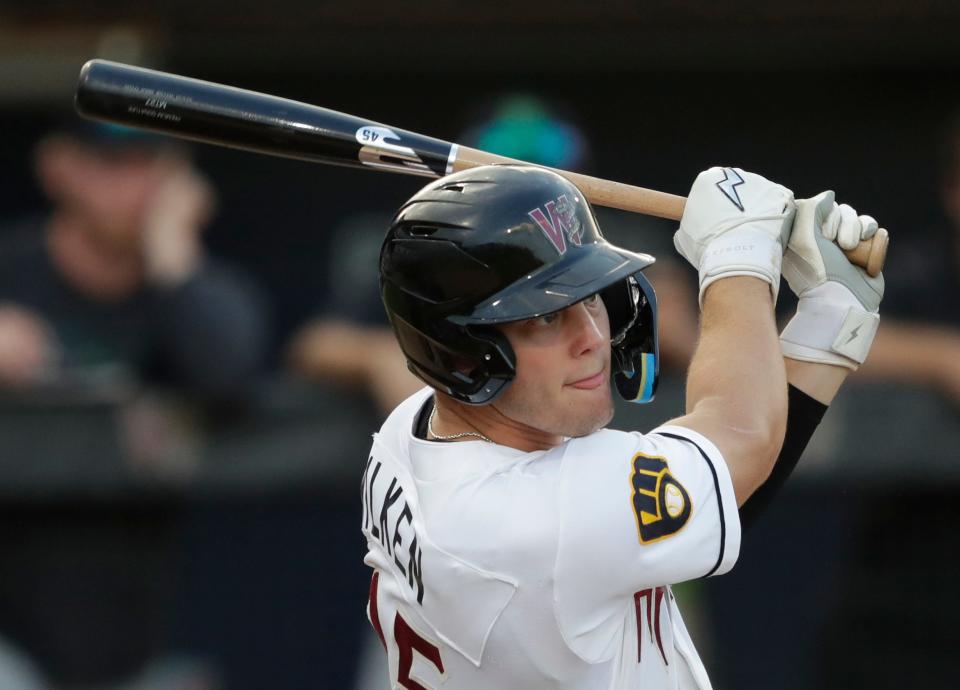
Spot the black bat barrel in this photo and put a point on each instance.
(217, 114)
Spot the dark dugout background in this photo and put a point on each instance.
(846, 584)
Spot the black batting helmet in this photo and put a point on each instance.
(505, 243)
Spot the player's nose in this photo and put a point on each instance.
(586, 329)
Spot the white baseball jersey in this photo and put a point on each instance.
(497, 568)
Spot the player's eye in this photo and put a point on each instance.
(545, 320)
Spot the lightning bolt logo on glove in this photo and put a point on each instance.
(853, 334)
(728, 185)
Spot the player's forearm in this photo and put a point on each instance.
(736, 386)
(805, 413)
(812, 387)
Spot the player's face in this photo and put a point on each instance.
(562, 385)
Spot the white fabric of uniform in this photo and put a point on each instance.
(530, 562)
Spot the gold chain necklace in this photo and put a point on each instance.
(451, 437)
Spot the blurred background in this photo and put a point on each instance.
(193, 355)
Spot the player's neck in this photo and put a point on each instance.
(453, 418)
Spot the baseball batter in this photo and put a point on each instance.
(515, 542)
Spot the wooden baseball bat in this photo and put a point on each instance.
(228, 116)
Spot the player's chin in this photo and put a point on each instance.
(593, 414)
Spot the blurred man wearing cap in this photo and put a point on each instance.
(115, 279)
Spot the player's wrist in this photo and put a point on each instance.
(747, 251)
(831, 326)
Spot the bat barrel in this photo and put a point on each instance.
(216, 114)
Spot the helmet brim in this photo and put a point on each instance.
(559, 285)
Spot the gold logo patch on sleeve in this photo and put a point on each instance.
(660, 503)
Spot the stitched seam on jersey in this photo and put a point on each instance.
(716, 486)
(628, 606)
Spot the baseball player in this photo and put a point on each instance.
(515, 542)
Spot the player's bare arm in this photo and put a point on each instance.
(736, 385)
(734, 230)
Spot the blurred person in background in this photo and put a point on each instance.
(112, 290)
(114, 281)
(352, 343)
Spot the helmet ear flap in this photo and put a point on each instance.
(621, 309)
(497, 366)
(472, 365)
(632, 307)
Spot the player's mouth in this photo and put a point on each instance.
(591, 382)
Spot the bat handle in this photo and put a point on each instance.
(870, 254)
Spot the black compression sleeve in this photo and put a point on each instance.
(803, 415)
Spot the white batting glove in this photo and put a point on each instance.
(735, 224)
(838, 312)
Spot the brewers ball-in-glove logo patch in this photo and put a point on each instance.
(661, 504)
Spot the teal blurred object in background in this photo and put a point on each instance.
(524, 127)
